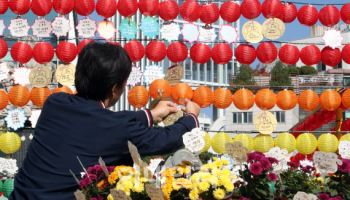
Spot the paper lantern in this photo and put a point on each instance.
(38, 96)
(63, 89)
(138, 96)
(266, 52)
(330, 100)
(43, 52)
(345, 137)
(168, 10)
(190, 10)
(306, 143)
(106, 8)
(135, 50)
(243, 99)
(149, 7)
(160, 87)
(245, 54)
(177, 52)
(345, 54)
(66, 51)
(8, 187)
(250, 9)
(63, 7)
(180, 92)
(331, 57)
(286, 141)
(230, 11)
(219, 141)
(289, 54)
(307, 15)
(41, 7)
(308, 100)
(222, 98)
(329, 15)
(200, 53)
(221, 53)
(19, 95)
(346, 98)
(3, 48)
(207, 142)
(4, 99)
(286, 99)
(272, 8)
(310, 55)
(289, 12)
(21, 52)
(263, 143)
(210, 13)
(127, 8)
(246, 140)
(328, 143)
(9, 142)
(83, 43)
(19, 7)
(4, 4)
(156, 50)
(265, 99)
(345, 13)
(84, 7)
(106, 29)
(203, 96)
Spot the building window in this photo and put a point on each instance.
(243, 117)
(280, 116)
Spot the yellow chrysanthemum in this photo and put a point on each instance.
(182, 183)
(138, 187)
(219, 193)
(112, 178)
(203, 186)
(193, 195)
(109, 197)
(229, 187)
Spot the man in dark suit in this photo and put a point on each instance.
(80, 125)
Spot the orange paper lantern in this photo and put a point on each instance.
(4, 99)
(181, 91)
(160, 87)
(286, 99)
(19, 95)
(138, 96)
(222, 98)
(243, 99)
(203, 96)
(38, 96)
(64, 89)
(265, 99)
(330, 100)
(346, 98)
(308, 100)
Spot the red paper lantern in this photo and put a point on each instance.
(200, 53)
(149, 7)
(3, 48)
(345, 13)
(266, 52)
(63, 7)
(127, 8)
(84, 7)
(21, 52)
(177, 52)
(265, 99)
(38, 96)
(203, 96)
(329, 15)
(210, 13)
(230, 11)
(289, 54)
(168, 10)
(43, 52)
(330, 100)
(180, 92)
(221, 53)
(245, 54)
(66, 51)
(272, 8)
(331, 57)
(160, 87)
(250, 9)
(345, 54)
(156, 50)
(4, 99)
(41, 7)
(289, 13)
(308, 15)
(19, 95)
(310, 55)
(106, 8)
(190, 10)
(4, 4)
(20, 7)
(135, 50)
(83, 43)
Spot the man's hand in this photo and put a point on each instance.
(163, 109)
(192, 107)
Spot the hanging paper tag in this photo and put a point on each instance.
(65, 74)
(60, 26)
(344, 149)
(207, 35)
(154, 192)
(41, 28)
(135, 76)
(86, 28)
(19, 27)
(170, 31)
(127, 29)
(34, 117)
(106, 29)
(153, 72)
(136, 158)
(252, 32)
(40, 76)
(2, 27)
(79, 195)
(273, 28)
(21, 75)
(237, 151)
(304, 196)
(4, 71)
(150, 27)
(190, 32)
(265, 122)
(172, 118)
(119, 195)
(332, 38)
(15, 119)
(174, 74)
(228, 33)
(326, 162)
(194, 140)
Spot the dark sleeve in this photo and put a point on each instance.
(145, 117)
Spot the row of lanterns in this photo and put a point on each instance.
(243, 99)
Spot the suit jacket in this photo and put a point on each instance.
(71, 126)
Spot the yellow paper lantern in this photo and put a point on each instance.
(207, 141)
(285, 141)
(218, 142)
(306, 143)
(328, 143)
(345, 137)
(9, 142)
(246, 140)
(263, 143)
